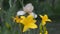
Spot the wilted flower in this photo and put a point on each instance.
(28, 8)
(17, 19)
(20, 13)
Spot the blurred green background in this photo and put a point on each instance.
(8, 9)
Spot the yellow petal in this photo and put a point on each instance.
(45, 16)
(40, 33)
(30, 17)
(16, 18)
(41, 16)
(34, 21)
(17, 21)
(43, 23)
(49, 20)
(46, 32)
(33, 26)
(25, 28)
(23, 17)
(22, 21)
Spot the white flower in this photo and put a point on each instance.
(35, 15)
(20, 13)
(28, 8)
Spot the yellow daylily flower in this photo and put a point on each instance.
(40, 33)
(46, 32)
(28, 22)
(44, 19)
(17, 19)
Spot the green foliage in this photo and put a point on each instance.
(10, 7)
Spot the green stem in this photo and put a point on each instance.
(41, 29)
(44, 29)
(29, 32)
(20, 29)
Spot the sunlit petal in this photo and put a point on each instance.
(23, 17)
(41, 16)
(25, 28)
(44, 19)
(49, 20)
(45, 16)
(33, 26)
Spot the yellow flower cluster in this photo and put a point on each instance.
(29, 21)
